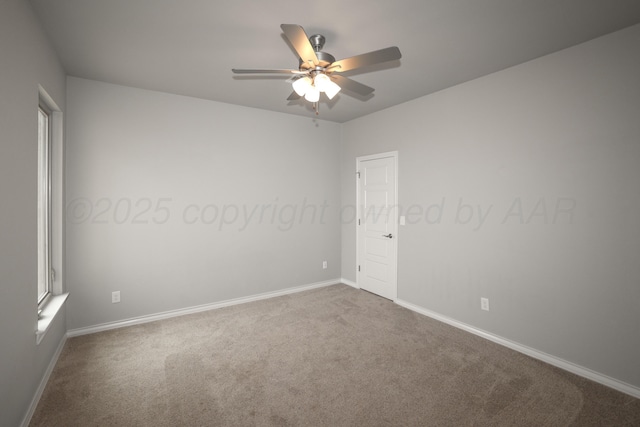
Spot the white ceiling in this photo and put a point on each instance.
(188, 47)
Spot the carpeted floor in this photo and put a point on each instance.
(333, 356)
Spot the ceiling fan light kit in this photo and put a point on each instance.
(311, 87)
(316, 68)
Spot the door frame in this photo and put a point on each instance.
(395, 218)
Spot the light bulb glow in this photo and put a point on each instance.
(321, 81)
(313, 94)
(302, 85)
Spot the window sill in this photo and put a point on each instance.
(49, 311)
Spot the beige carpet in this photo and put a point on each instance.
(333, 356)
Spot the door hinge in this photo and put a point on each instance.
(358, 173)
(358, 221)
(358, 268)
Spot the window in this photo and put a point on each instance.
(45, 269)
(50, 232)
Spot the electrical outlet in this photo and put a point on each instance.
(324, 264)
(484, 304)
(115, 297)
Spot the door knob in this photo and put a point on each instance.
(390, 236)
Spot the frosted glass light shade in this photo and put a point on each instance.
(301, 86)
(331, 89)
(313, 94)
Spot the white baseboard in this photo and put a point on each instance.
(195, 309)
(43, 383)
(349, 282)
(536, 354)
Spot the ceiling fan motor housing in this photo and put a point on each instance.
(324, 59)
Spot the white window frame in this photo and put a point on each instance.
(45, 267)
(51, 302)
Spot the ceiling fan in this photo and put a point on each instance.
(318, 71)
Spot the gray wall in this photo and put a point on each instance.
(547, 153)
(177, 202)
(26, 60)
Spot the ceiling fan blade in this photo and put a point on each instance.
(300, 42)
(375, 57)
(259, 71)
(352, 85)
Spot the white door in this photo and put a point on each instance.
(377, 224)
